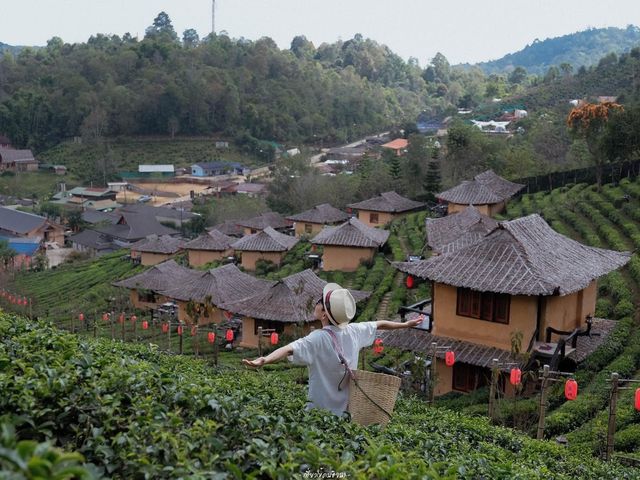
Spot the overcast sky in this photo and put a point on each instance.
(463, 30)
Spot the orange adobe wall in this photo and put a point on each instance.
(249, 259)
(345, 259)
(383, 217)
(197, 258)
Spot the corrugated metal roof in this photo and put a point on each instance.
(18, 222)
(156, 169)
(18, 156)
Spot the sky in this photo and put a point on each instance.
(463, 30)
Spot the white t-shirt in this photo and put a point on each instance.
(316, 350)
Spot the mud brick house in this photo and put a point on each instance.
(488, 192)
(267, 219)
(310, 222)
(209, 247)
(523, 280)
(267, 244)
(156, 249)
(346, 246)
(380, 210)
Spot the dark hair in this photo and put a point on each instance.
(320, 302)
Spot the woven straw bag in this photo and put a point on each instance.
(372, 397)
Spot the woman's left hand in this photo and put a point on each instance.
(258, 362)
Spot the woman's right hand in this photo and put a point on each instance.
(258, 362)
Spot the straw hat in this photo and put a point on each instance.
(339, 304)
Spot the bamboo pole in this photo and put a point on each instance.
(493, 388)
(259, 341)
(432, 379)
(543, 402)
(611, 429)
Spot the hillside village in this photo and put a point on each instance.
(143, 259)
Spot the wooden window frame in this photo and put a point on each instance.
(308, 228)
(268, 324)
(374, 218)
(487, 306)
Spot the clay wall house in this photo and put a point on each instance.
(209, 247)
(17, 160)
(147, 289)
(156, 249)
(384, 208)
(488, 192)
(267, 244)
(310, 222)
(346, 246)
(264, 220)
(285, 306)
(521, 279)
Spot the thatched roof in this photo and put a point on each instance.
(352, 233)
(268, 240)
(158, 244)
(521, 257)
(267, 219)
(388, 202)
(229, 227)
(213, 240)
(160, 277)
(466, 352)
(323, 214)
(220, 286)
(485, 188)
(290, 300)
(453, 232)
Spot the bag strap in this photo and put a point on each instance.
(343, 361)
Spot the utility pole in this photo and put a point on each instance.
(213, 16)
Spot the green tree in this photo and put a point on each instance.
(432, 181)
(589, 122)
(518, 75)
(190, 38)
(7, 254)
(162, 29)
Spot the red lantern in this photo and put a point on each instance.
(121, 318)
(81, 317)
(229, 335)
(133, 319)
(11, 299)
(145, 325)
(165, 328)
(449, 358)
(211, 337)
(410, 281)
(377, 346)
(25, 301)
(194, 331)
(105, 317)
(274, 338)
(637, 402)
(179, 329)
(571, 389)
(515, 376)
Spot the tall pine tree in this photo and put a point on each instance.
(432, 180)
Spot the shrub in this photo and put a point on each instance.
(623, 308)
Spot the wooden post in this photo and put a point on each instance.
(113, 326)
(72, 326)
(432, 375)
(259, 341)
(181, 338)
(95, 326)
(169, 336)
(611, 430)
(134, 331)
(216, 345)
(493, 388)
(196, 342)
(543, 402)
(124, 326)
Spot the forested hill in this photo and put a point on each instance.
(577, 49)
(9, 48)
(166, 85)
